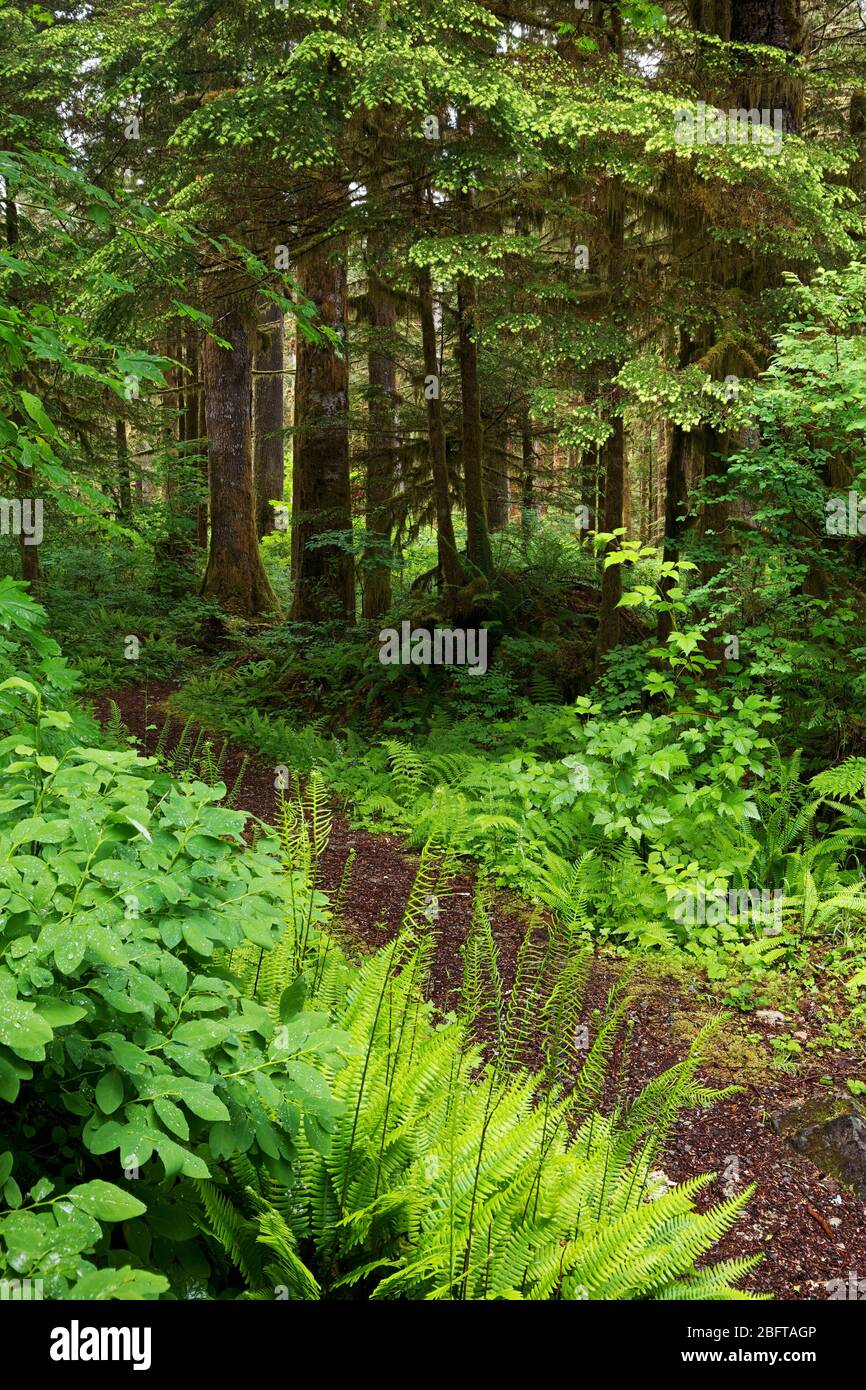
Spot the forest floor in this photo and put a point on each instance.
(810, 1229)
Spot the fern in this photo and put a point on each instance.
(115, 731)
(176, 758)
(234, 793)
(848, 779)
(162, 739)
(446, 1179)
(408, 770)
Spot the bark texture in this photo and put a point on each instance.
(25, 478)
(477, 534)
(613, 450)
(449, 560)
(323, 574)
(235, 574)
(496, 476)
(268, 465)
(382, 444)
(124, 485)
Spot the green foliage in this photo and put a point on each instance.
(449, 1176)
(126, 1044)
(178, 1002)
(786, 584)
(46, 1238)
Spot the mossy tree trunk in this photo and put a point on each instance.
(497, 491)
(762, 86)
(685, 447)
(323, 574)
(124, 482)
(268, 464)
(613, 450)
(382, 444)
(25, 478)
(203, 508)
(477, 533)
(235, 575)
(449, 561)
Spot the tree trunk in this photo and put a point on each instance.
(235, 574)
(776, 24)
(195, 479)
(676, 489)
(528, 458)
(124, 485)
(477, 535)
(190, 439)
(611, 579)
(449, 560)
(268, 467)
(613, 452)
(172, 434)
(381, 437)
(496, 481)
(202, 510)
(321, 501)
(25, 478)
(717, 446)
(675, 506)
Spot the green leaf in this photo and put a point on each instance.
(203, 1033)
(106, 1202)
(18, 683)
(125, 1284)
(109, 1092)
(69, 953)
(200, 1100)
(172, 1117)
(292, 999)
(23, 1030)
(12, 1193)
(36, 410)
(196, 939)
(10, 1081)
(58, 1013)
(195, 1167)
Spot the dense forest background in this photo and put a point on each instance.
(333, 331)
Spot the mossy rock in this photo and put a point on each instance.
(830, 1131)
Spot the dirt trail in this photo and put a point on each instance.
(810, 1230)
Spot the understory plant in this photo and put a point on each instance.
(471, 1158)
(131, 1061)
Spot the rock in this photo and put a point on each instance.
(771, 1016)
(831, 1132)
(658, 1185)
